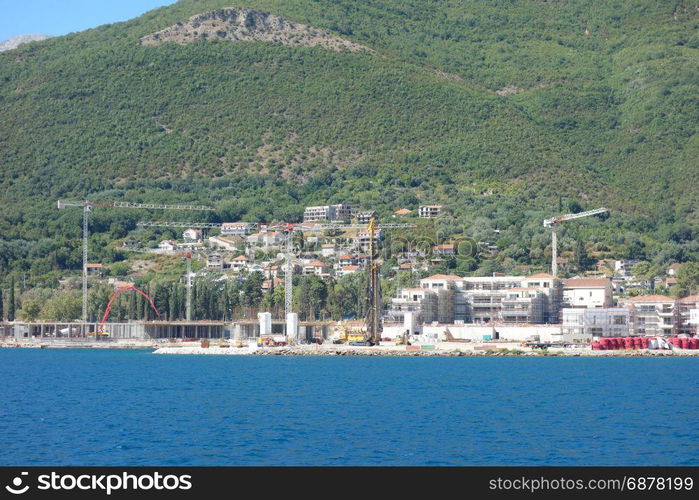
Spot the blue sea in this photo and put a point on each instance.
(82, 407)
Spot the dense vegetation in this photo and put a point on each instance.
(601, 107)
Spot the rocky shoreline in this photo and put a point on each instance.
(398, 352)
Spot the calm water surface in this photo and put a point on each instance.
(80, 407)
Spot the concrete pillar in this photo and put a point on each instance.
(409, 322)
(292, 326)
(265, 319)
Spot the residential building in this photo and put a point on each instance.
(587, 292)
(347, 260)
(688, 315)
(328, 249)
(339, 212)
(272, 239)
(271, 283)
(504, 299)
(192, 235)
(228, 243)
(214, 261)
(94, 269)
(167, 246)
(236, 228)
(596, 322)
(673, 269)
(444, 249)
(361, 241)
(429, 211)
(348, 270)
(363, 217)
(316, 267)
(239, 263)
(523, 305)
(402, 212)
(623, 267)
(653, 315)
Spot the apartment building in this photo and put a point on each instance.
(688, 315)
(653, 315)
(596, 322)
(339, 212)
(363, 238)
(502, 299)
(236, 228)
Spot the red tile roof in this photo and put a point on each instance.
(587, 282)
(542, 275)
(442, 277)
(651, 298)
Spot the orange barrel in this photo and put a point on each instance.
(595, 345)
(628, 343)
(638, 343)
(644, 342)
(675, 341)
(694, 343)
(684, 343)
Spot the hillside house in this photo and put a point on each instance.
(192, 235)
(429, 211)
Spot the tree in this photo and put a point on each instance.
(30, 310)
(688, 279)
(1, 307)
(582, 261)
(11, 301)
(64, 306)
(645, 271)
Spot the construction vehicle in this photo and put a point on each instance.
(403, 339)
(272, 341)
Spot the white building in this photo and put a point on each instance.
(596, 322)
(587, 292)
(429, 211)
(214, 261)
(192, 235)
(236, 228)
(229, 243)
(168, 246)
(327, 212)
(329, 249)
(239, 263)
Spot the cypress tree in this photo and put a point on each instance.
(11, 301)
(1, 307)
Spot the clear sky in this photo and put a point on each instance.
(59, 17)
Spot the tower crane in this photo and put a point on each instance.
(87, 207)
(554, 238)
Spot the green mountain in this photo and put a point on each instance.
(505, 111)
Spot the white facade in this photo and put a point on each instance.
(327, 212)
(586, 293)
(236, 228)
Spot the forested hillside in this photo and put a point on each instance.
(504, 111)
